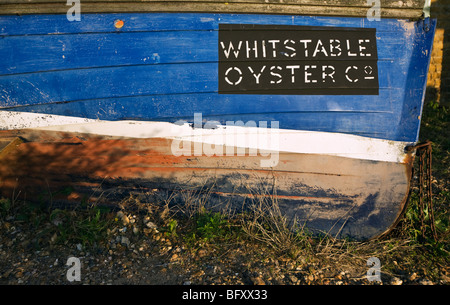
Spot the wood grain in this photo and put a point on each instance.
(343, 196)
(359, 8)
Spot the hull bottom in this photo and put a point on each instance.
(343, 197)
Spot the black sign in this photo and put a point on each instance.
(279, 59)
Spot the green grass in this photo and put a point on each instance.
(208, 228)
(87, 227)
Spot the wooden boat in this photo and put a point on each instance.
(309, 101)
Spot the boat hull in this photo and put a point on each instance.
(326, 194)
(314, 114)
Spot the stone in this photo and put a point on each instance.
(412, 276)
(124, 218)
(125, 241)
(426, 282)
(135, 230)
(396, 281)
(257, 280)
(202, 253)
(293, 278)
(151, 225)
(174, 257)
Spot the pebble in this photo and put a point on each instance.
(412, 276)
(396, 281)
(125, 241)
(257, 281)
(124, 218)
(202, 252)
(293, 278)
(53, 238)
(151, 225)
(445, 279)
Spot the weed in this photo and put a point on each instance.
(211, 226)
(87, 227)
(171, 228)
(436, 127)
(264, 222)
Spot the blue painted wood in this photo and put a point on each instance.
(58, 52)
(164, 67)
(117, 81)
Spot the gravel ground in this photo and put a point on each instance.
(137, 252)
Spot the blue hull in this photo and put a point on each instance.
(164, 67)
(338, 161)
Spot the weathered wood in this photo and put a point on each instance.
(389, 9)
(340, 196)
(9, 144)
(344, 3)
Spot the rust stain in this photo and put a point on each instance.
(118, 24)
(409, 158)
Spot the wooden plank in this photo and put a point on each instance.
(343, 3)
(8, 144)
(58, 52)
(184, 105)
(156, 22)
(213, 7)
(96, 83)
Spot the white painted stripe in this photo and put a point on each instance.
(262, 139)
